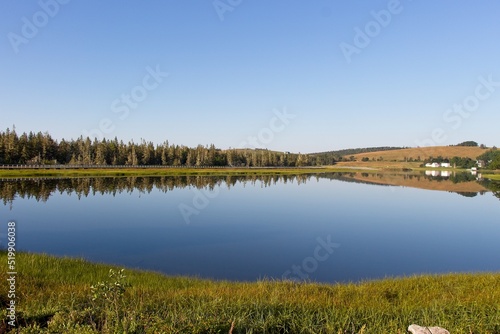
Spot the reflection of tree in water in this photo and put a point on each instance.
(455, 177)
(467, 193)
(462, 177)
(494, 186)
(42, 188)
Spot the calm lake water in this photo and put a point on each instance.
(325, 228)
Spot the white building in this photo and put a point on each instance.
(445, 164)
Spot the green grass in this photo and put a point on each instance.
(5, 173)
(54, 296)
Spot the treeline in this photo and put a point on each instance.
(41, 148)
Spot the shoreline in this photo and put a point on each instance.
(172, 171)
(111, 171)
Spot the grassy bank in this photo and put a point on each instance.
(55, 296)
(5, 173)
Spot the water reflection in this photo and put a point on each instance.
(41, 189)
(260, 226)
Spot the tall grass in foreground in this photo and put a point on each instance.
(74, 296)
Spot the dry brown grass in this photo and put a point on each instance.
(424, 153)
(379, 165)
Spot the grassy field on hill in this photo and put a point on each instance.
(424, 153)
(55, 295)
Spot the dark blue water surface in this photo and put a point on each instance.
(314, 228)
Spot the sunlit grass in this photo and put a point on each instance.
(54, 296)
(165, 172)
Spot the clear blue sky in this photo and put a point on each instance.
(227, 76)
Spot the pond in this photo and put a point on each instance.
(326, 227)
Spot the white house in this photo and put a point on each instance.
(445, 164)
(432, 165)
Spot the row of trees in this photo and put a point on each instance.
(470, 143)
(41, 148)
(456, 162)
(489, 159)
(461, 162)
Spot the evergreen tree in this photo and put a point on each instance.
(132, 156)
(100, 155)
